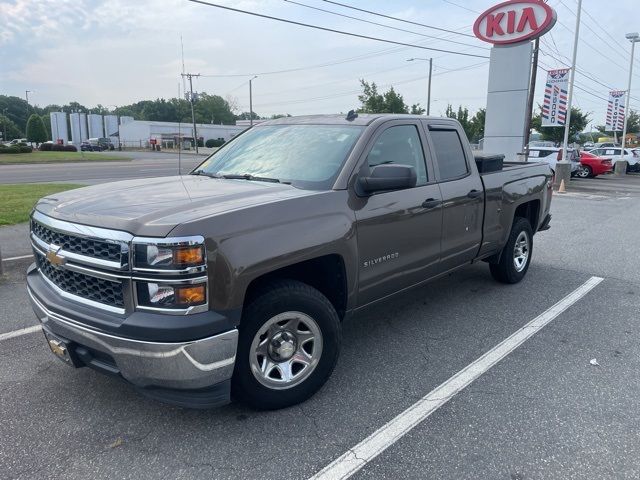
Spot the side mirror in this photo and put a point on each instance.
(388, 177)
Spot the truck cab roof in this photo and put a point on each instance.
(363, 119)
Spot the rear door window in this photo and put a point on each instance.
(450, 156)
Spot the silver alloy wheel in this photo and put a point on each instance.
(285, 350)
(583, 172)
(521, 251)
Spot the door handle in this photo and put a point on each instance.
(430, 203)
(474, 193)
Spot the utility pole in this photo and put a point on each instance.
(192, 100)
(429, 87)
(532, 92)
(179, 130)
(4, 121)
(430, 60)
(563, 167)
(26, 95)
(621, 167)
(251, 101)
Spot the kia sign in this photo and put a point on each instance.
(515, 21)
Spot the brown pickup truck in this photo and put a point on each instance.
(234, 280)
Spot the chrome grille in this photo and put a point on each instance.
(92, 288)
(80, 245)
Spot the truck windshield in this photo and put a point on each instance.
(307, 156)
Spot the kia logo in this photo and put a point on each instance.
(515, 21)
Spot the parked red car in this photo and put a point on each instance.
(591, 165)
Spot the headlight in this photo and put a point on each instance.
(162, 295)
(168, 255)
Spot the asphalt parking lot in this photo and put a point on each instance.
(564, 404)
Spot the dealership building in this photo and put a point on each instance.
(142, 133)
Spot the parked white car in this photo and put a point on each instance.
(552, 155)
(613, 153)
(16, 141)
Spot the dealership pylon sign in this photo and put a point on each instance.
(615, 111)
(510, 27)
(554, 106)
(514, 21)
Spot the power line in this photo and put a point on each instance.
(399, 19)
(591, 29)
(460, 6)
(385, 26)
(580, 71)
(625, 69)
(321, 65)
(352, 92)
(317, 27)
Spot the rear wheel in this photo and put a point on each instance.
(516, 254)
(584, 171)
(289, 342)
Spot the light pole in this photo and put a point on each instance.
(430, 60)
(251, 100)
(621, 165)
(563, 167)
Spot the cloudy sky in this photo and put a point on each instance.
(119, 51)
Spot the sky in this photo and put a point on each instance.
(116, 52)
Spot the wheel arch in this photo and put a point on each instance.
(326, 273)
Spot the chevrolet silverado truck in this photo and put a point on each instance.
(232, 281)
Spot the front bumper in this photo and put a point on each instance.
(164, 370)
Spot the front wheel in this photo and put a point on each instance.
(516, 254)
(289, 341)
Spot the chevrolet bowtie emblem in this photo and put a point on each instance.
(54, 257)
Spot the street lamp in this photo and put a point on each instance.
(430, 60)
(621, 168)
(251, 100)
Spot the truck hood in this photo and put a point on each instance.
(154, 206)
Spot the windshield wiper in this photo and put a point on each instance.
(248, 176)
(244, 176)
(204, 174)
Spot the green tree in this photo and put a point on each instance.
(462, 115)
(477, 125)
(11, 129)
(46, 120)
(416, 109)
(16, 109)
(579, 121)
(390, 101)
(35, 129)
(247, 116)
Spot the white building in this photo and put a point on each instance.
(95, 125)
(111, 128)
(247, 123)
(59, 131)
(78, 122)
(139, 133)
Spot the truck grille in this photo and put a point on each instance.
(80, 245)
(85, 286)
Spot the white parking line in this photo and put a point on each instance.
(18, 333)
(17, 258)
(376, 443)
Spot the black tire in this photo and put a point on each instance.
(505, 270)
(284, 296)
